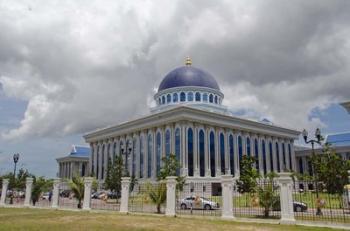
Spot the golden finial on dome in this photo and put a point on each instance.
(188, 61)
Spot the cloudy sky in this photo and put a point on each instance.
(68, 67)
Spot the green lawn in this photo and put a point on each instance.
(41, 219)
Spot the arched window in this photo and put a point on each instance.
(290, 157)
(114, 150)
(212, 154)
(198, 96)
(264, 156)
(158, 152)
(284, 156)
(201, 153)
(301, 167)
(189, 96)
(205, 97)
(167, 143)
(108, 152)
(103, 162)
(248, 147)
(256, 144)
(271, 156)
(163, 99)
(177, 147)
(149, 156)
(92, 160)
(278, 158)
(133, 170)
(232, 158)
(222, 153)
(142, 153)
(190, 151)
(216, 99)
(175, 97)
(168, 98)
(211, 98)
(182, 97)
(240, 148)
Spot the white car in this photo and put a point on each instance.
(196, 202)
(45, 196)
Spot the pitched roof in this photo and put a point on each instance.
(80, 151)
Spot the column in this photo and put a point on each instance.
(244, 143)
(154, 158)
(294, 164)
(195, 151)
(288, 155)
(261, 164)
(137, 156)
(286, 186)
(145, 157)
(95, 160)
(227, 153)
(281, 155)
(183, 150)
(5, 184)
(206, 152)
(170, 196)
(100, 161)
(87, 192)
(28, 196)
(55, 192)
(267, 155)
(274, 154)
(217, 159)
(236, 154)
(172, 138)
(227, 197)
(125, 195)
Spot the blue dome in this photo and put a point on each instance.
(188, 76)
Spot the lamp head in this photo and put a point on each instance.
(305, 135)
(15, 157)
(318, 134)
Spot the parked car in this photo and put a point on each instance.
(113, 195)
(297, 206)
(45, 196)
(65, 193)
(98, 195)
(196, 202)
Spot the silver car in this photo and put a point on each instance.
(196, 202)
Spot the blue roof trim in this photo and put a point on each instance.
(342, 139)
(188, 76)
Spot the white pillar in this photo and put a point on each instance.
(5, 184)
(55, 192)
(87, 192)
(260, 149)
(286, 198)
(227, 196)
(124, 206)
(294, 164)
(227, 153)
(236, 154)
(217, 153)
(28, 196)
(183, 150)
(195, 151)
(170, 196)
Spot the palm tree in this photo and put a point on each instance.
(77, 186)
(157, 194)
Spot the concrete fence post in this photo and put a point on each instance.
(5, 185)
(87, 192)
(227, 194)
(124, 204)
(28, 196)
(170, 195)
(285, 182)
(55, 192)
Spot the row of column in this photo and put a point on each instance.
(68, 169)
(104, 150)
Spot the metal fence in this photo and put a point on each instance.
(105, 201)
(199, 198)
(15, 197)
(66, 197)
(261, 203)
(147, 197)
(316, 204)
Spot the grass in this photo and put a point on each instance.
(41, 219)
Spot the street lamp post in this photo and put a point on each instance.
(15, 160)
(126, 152)
(313, 141)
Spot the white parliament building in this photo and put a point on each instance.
(190, 121)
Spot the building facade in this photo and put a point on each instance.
(75, 163)
(190, 121)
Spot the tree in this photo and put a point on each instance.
(170, 168)
(77, 186)
(248, 175)
(268, 196)
(40, 185)
(157, 194)
(114, 175)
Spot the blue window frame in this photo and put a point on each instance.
(168, 98)
(240, 148)
(114, 150)
(256, 144)
(264, 156)
(167, 143)
(205, 97)
(211, 98)
(149, 156)
(134, 157)
(177, 147)
(216, 99)
(175, 97)
(158, 152)
(248, 147)
(284, 156)
(212, 153)
(142, 153)
(290, 157)
(201, 153)
(182, 97)
(222, 153)
(198, 96)
(271, 156)
(278, 158)
(189, 96)
(103, 162)
(190, 151)
(163, 99)
(232, 158)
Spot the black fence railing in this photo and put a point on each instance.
(319, 205)
(66, 197)
(105, 201)
(199, 198)
(15, 197)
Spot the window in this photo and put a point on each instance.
(142, 153)
(190, 151)
(278, 158)
(216, 99)
(201, 153)
(211, 98)
(222, 153)
(284, 156)
(149, 156)
(256, 144)
(205, 97)
(103, 162)
(163, 99)
(290, 157)
(133, 170)
(248, 146)
(189, 96)
(167, 143)
(264, 156)
(168, 98)
(177, 147)
(114, 150)
(271, 156)
(301, 167)
(198, 96)
(212, 153)
(175, 97)
(232, 158)
(158, 152)
(182, 97)
(240, 148)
